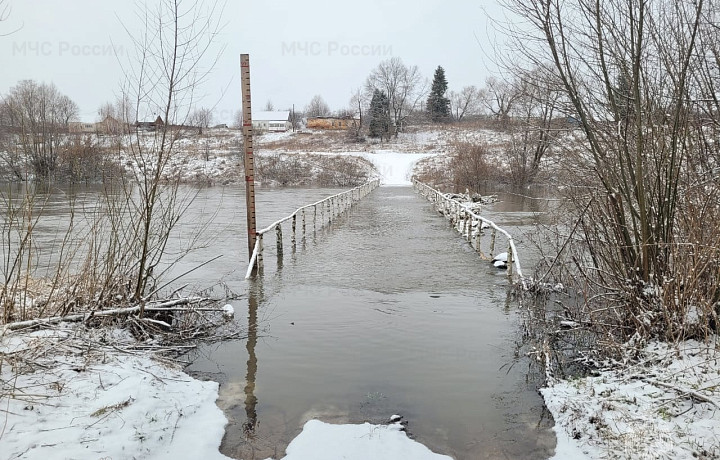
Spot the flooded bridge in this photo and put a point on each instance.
(385, 310)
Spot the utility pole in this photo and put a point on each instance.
(249, 159)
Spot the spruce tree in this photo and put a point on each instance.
(379, 116)
(438, 106)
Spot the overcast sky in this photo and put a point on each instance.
(298, 48)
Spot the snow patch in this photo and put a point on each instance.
(92, 401)
(323, 441)
(395, 168)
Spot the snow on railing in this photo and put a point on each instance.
(328, 208)
(470, 226)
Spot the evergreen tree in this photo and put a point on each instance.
(438, 106)
(623, 96)
(379, 116)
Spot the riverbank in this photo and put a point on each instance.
(664, 403)
(76, 392)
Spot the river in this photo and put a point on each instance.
(387, 311)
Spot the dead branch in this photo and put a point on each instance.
(104, 313)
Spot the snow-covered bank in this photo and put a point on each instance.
(665, 407)
(71, 392)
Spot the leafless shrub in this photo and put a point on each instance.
(322, 170)
(641, 80)
(343, 171)
(283, 169)
(83, 159)
(435, 172)
(470, 167)
(112, 246)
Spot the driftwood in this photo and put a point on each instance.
(159, 306)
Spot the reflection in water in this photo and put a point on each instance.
(255, 291)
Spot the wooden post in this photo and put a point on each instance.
(510, 261)
(294, 223)
(259, 262)
(279, 242)
(249, 158)
(303, 223)
(492, 243)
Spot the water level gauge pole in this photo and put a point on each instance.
(249, 160)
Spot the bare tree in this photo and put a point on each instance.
(357, 110)
(238, 120)
(635, 74)
(317, 107)
(172, 58)
(534, 129)
(403, 87)
(39, 114)
(499, 97)
(201, 119)
(465, 102)
(269, 107)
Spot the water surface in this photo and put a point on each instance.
(387, 311)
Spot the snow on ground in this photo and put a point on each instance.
(395, 168)
(323, 441)
(72, 392)
(666, 407)
(64, 395)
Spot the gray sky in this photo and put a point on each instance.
(298, 48)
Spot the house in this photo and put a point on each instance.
(109, 125)
(272, 121)
(332, 122)
(79, 127)
(150, 125)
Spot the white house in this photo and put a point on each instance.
(272, 121)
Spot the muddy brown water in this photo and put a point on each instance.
(387, 311)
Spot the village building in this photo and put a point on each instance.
(332, 122)
(150, 125)
(275, 121)
(79, 127)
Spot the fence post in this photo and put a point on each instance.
(294, 223)
(303, 222)
(492, 242)
(261, 247)
(314, 217)
(510, 261)
(279, 242)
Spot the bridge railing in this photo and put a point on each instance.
(470, 225)
(321, 213)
